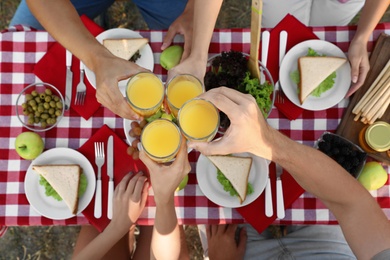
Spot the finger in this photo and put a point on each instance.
(139, 186)
(223, 102)
(243, 239)
(221, 229)
(210, 148)
(168, 38)
(214, 229)
(182, 155)
(145, 193)
(121, 188)
(231, 228)
(150, 164)
(187, 48)
(132, 183)
(362, 77)
(208, 231)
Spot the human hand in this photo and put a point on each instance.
(182, 25)
(109, 72)
(358, 57)
(248, 130)
(223, 236)
(129, 200)
(192, 66)
(166, 178)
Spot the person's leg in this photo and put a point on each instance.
(160, 14)
(275, 11)
(88, 233)
(142, 250)
(332, 12)
(91, 8)
(316, 242)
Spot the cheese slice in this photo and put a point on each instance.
(125, 48)
(314, 70)
(236, 170)
(65, 180)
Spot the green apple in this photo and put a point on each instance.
(171, 56)
(183, 183)
(373, 176)
(29, 145)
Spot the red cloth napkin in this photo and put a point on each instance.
(254, 213)
(123, 164)
(52, 69)
(297, 33)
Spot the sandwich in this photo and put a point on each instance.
(314, 70)
(125, 48)
(65, 180)
(236, 170)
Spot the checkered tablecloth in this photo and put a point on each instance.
(21, 48)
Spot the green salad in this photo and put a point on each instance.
(228, 187)
(324, 85)
(50, 192)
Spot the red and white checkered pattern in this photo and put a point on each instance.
(21, 48)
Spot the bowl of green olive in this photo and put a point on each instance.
(40, 106)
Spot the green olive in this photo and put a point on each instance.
(25, 112)
(46, 105)
(59, 105)
(41, 109)
(30, 121)
(51, 111)
(52, 103)
(58, 113)
(48, 98)
(44, 116)
(43, 124)
(28, 97)
(35, 108)
(42, 96)
(36, 120)
(56, 98)
(32, 103)
(24, 105)
(34, 93)
(48, 91)
(37, 113)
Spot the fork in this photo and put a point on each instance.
(99, 161)
(280, 96)
(81, 88)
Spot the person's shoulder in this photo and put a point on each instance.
(384, 255)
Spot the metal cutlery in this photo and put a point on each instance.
(81, 87)
(264, 52)
(279, 192)
(110, 173)
(99, 161)
(268, 199)
(282, 51)
(69, 79)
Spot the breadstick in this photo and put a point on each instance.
(380, 112)
(378, 95)
(372, 89)
(380, 102)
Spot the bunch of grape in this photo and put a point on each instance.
(343, 152)
(42, 108)
(135, 132)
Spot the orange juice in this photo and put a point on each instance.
(181, 89)
(145, 93)
(161, 140)
(199, 120)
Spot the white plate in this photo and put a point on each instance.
(331, 97)
(48, 206)
(206, 174)
(146, 60)
(127, 128)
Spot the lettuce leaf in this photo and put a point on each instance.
(323, 86)
(50, 192)
(228, 187)
(261, 92)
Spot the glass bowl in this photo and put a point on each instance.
(224, 124)
(40, 106)
(347, 154)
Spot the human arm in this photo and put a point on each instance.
(129, 200)
(371, 13)
(205, 17)
(165, 179)
(364, 225)
(61, 20)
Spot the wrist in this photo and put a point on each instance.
(116, 230)
(164, 201)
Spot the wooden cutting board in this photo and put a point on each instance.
(350, 129)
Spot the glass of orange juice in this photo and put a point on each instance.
(199, 120)
(145, 93)
(161, 140)
(180, 89)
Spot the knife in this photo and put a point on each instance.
(279, 192)
(110, 173)
(264, 52)
(268, 199)
(68, 82)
